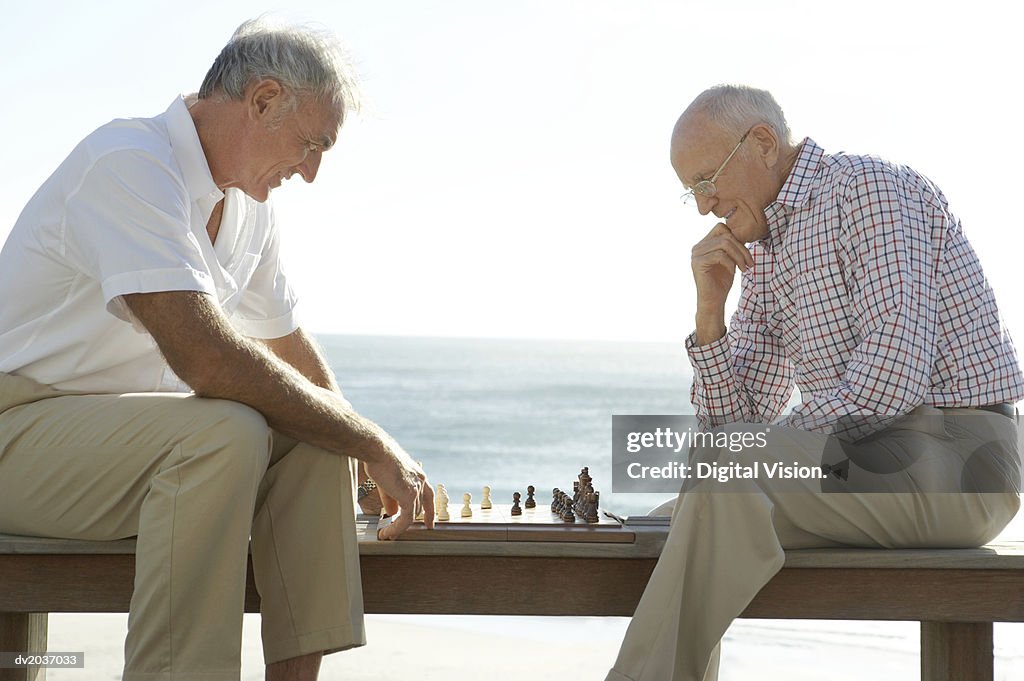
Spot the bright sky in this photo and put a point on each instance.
(513, 178)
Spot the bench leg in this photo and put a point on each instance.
(956, 651)
(23, 632)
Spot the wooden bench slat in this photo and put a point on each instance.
(1002, 555)
(537, 586)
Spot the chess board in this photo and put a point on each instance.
(498, 524)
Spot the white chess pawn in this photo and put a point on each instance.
(466, 510)
(486, 503)
(442, 503)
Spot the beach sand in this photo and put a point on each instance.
(524, 649)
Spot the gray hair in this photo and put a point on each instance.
(739, 107)
(304, 60)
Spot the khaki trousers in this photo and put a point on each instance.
(726, 541)
(194, 479)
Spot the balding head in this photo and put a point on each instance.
(735, 109)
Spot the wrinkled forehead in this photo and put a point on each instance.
(698, 146)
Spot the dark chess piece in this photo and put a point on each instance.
(568, 513)
(554, 498)
(585, 487)
(530, 501)
(590, 508)
(515, 504)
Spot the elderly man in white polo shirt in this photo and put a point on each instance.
(154, 380)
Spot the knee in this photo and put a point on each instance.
(239, 433)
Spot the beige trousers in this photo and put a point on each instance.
(726, 540)
(194, 479)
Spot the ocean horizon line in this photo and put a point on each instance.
(486, 338)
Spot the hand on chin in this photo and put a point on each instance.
(745, 228)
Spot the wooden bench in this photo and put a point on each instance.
(955, 594)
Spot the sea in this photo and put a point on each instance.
(510, 413)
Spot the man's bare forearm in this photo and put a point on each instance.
(217, 362)
(302, 353)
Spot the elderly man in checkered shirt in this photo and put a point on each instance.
(858, 287)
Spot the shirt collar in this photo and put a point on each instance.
(181, 130)
(796, 191)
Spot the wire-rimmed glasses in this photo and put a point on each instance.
(707, 188)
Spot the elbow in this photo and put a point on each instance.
(206, 373)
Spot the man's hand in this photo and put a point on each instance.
(402, 479)
(715, 260)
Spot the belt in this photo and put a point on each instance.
(1005, 409)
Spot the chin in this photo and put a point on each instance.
(748, 233)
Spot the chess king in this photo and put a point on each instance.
(859, 287)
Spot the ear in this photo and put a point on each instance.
(766, 143)
(263, 99)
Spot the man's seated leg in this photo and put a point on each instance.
(727, 538)
(179, 471)
(305, 553)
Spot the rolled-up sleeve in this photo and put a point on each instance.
(127, 226)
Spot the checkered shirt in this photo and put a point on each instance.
(865, 295)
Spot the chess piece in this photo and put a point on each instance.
(442, 503)
(566, 504)
(554, 498)
(586, 489)
(530, 501)
(585, 486)
(568, 512)
(590, 508)
(467, 511)
(516, 510)
(486, 503)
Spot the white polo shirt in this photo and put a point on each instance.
(126, 212)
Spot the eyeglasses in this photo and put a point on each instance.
(707, 187)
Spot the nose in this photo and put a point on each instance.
(310, 165)
(705, 203)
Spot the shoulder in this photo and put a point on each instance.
(131, 155)
(852, 173)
